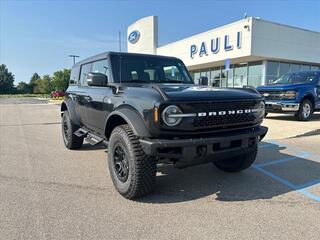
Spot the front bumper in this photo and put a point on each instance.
(194, 151)
(281, 107)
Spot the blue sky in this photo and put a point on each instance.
(38, 35)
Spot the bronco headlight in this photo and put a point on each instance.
(260, 109)
(171, 115)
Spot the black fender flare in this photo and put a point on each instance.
(68, 104)
(132, 118)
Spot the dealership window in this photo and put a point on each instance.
(196, 77)
(315, 68)
(305, 67)
(224, 74)
(295, 67)
(272, 71)
(230, 76)
(255, 74)
(240, 75)
(283, 68)
(215, 77)
(203, 73)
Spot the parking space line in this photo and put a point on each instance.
(279, 179)
(302, 154)
(288, 184)
(309, 184)
(283, 160)
(265, 145)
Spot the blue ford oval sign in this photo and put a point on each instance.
(134, 36)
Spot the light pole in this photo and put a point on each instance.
(74, 58)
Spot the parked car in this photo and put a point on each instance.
(297, 93)
(147, 109)
(57, 94)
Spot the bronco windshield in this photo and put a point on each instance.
(296, 78)
(140, 69)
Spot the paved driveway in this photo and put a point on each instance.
(49, 192)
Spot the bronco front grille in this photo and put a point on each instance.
(227, 120)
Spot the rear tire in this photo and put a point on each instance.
(239, 162)
(305, 111)
(70, 140)
(133, 172)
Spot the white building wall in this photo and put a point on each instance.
(260, 40)
(148, 39)
(282, 42)
(181, 49)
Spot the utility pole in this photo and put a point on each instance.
(119, 41)
(74, 58)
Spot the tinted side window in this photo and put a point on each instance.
(74, 76)
(100, 66)
(85, 69)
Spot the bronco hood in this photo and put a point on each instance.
(199, 93)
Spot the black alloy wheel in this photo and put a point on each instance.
(120, 162)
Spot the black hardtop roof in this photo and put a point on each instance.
(107, 54)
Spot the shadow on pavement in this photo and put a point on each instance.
(174, 185)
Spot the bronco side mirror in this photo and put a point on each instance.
(203, 81)
(97, 79)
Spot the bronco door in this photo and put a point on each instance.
(83, 95)
(98, 106)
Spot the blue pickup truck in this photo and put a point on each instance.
(297, 93)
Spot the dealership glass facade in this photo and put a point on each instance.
(276, 69)
(237, 76)
(249, 74)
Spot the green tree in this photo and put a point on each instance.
(60, 80)
(6, 80)
(23, 87)
(33, 82)
(43, 85)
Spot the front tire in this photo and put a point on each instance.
(133, 172)
(239, 162)
(70, 140)
(305, 111)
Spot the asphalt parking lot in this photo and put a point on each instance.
(49, 192)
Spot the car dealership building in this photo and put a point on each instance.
(250, 51)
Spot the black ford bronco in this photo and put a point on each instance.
(146, 109)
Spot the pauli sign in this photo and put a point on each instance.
(214, 46)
